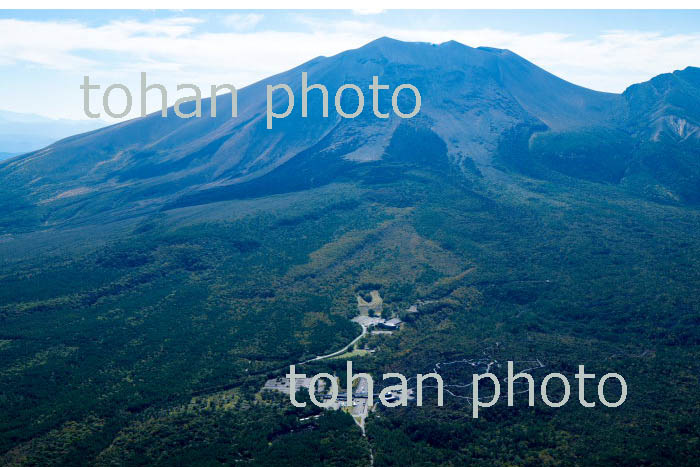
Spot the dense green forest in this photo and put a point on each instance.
(150, 346)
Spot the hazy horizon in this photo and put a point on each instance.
(48, 52)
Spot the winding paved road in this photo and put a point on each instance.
(338, 352)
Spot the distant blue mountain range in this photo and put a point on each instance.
(21, 133)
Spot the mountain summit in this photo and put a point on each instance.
(159, 277)
(478, 103)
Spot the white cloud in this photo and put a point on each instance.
(178, 51)
(608, 62)
(243, 22)
(368, 11)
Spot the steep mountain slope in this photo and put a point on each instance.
(652, 147)
(476, 103)
(154, 274)
(470, 97)
(667, 107)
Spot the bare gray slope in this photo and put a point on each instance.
(666, 107)
(470, 97)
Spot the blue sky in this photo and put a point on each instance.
(44, 54)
